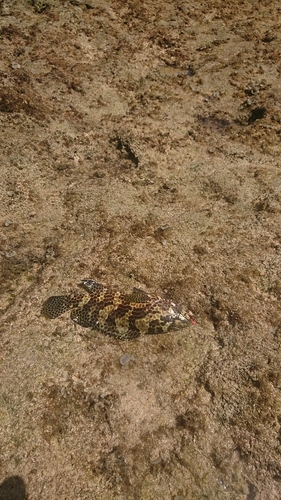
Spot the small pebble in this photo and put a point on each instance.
(15, 66)
(126, 358)
(9, 255)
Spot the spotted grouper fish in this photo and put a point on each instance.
(121, 315)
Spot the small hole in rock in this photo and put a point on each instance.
(256, 114)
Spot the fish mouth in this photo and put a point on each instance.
(182, 320)
(191, 318)
(187, 317)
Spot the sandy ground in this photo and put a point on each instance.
(140, 146)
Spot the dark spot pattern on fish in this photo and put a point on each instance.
(120, 315)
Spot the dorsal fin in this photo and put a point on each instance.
(90, 285)
(138, 296)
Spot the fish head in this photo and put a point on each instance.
(180, 319)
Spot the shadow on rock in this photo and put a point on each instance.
(13, 488)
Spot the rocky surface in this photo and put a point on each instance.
(140, 146)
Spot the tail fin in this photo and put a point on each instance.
(56, 305)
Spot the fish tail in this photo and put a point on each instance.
(56, 305)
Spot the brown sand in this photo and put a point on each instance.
(140, 146)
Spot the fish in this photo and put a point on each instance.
(120, 315)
